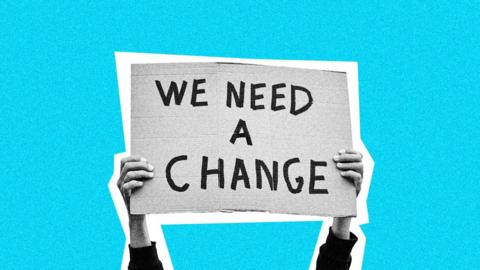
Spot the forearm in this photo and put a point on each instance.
(341, 227)
(138, 231)
(143, 253)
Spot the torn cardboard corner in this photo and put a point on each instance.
(228, 136)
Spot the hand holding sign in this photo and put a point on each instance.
(133, 171)
(351, 166)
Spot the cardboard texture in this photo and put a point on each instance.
(202, 135)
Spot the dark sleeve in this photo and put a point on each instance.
(144, 258)
(335, 253)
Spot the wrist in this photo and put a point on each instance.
(138, 231)
(136, 219)
(341, 227)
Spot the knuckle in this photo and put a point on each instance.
(130, 175)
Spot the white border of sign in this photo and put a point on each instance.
(124, 60)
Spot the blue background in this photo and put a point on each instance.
(61, 125)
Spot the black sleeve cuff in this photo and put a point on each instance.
(339, 247)
(144, 258)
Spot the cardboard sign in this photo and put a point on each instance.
(238, 137)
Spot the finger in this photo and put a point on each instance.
(355, 166)
(347, 158)
(353, 176)
(351, 151)
(138, 175)
(135, 166)
(138, 165)
(132, 158)
(358, 185)
(128, 187)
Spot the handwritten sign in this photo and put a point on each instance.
(238, 137)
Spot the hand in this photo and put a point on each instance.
(349, 162)
(134, 170)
